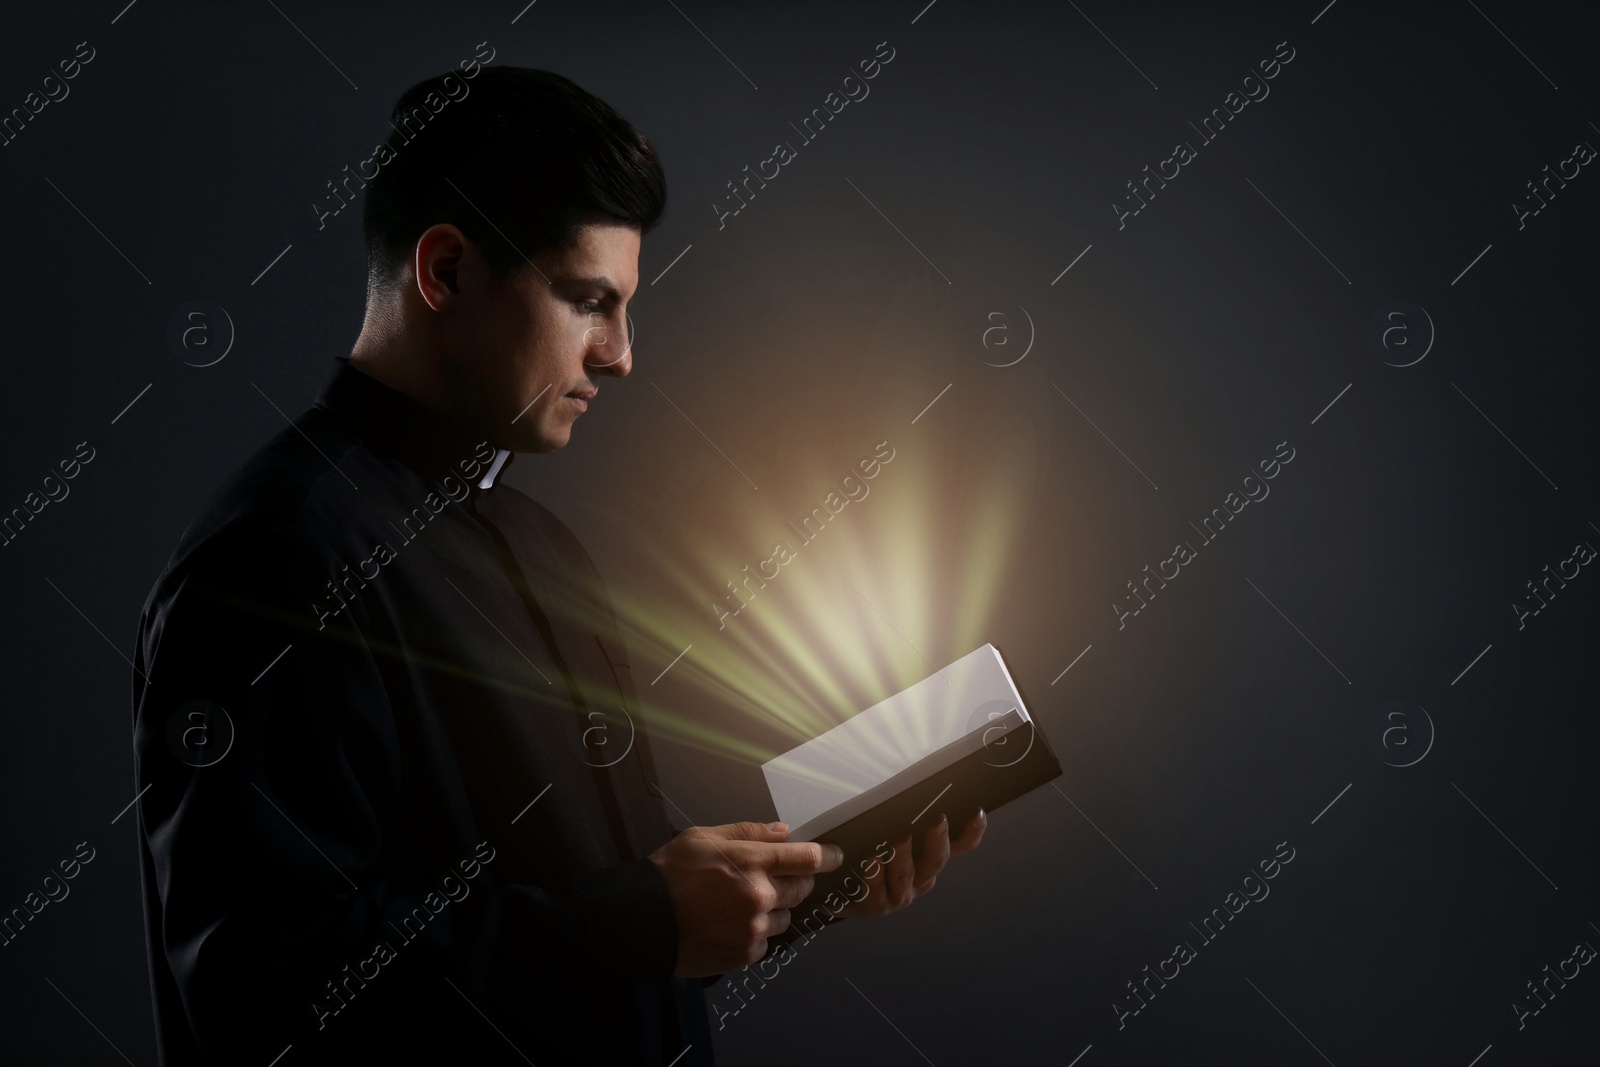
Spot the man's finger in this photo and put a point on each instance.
(792, 889)
(749, 831)
(902, 870)
(871, 901)
(877, 879)
(795, 857)
(777, 921)
(935, 852)
(971, 834)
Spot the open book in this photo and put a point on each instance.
(957, 740)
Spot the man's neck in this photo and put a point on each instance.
(399, 358)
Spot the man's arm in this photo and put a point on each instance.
(282, 865)
(264, 851)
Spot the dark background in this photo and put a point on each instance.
(1196, 338)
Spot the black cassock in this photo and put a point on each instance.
(400, 798)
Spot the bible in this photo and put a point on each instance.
(960, 739)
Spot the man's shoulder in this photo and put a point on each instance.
(291, 497)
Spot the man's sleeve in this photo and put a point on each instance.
(266, 746)
(271, 820)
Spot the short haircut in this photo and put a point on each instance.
(517, 159)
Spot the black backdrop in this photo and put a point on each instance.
(1343, 669)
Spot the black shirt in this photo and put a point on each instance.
(399, 797)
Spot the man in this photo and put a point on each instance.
(397, 803)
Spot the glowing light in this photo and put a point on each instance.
(898, 583)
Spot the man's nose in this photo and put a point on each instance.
(610, 352)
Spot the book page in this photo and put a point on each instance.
(883, 740)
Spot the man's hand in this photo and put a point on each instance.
(733, 886)
(905, 877)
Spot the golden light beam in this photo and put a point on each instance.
(863, 610)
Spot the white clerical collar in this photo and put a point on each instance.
(499, 461)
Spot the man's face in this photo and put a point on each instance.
(542, 340)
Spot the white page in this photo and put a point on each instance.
(883, 740)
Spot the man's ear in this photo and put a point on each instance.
(441, 253)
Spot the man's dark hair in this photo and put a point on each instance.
(516, 158)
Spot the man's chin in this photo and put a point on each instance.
(544, 434)
(545, 440)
